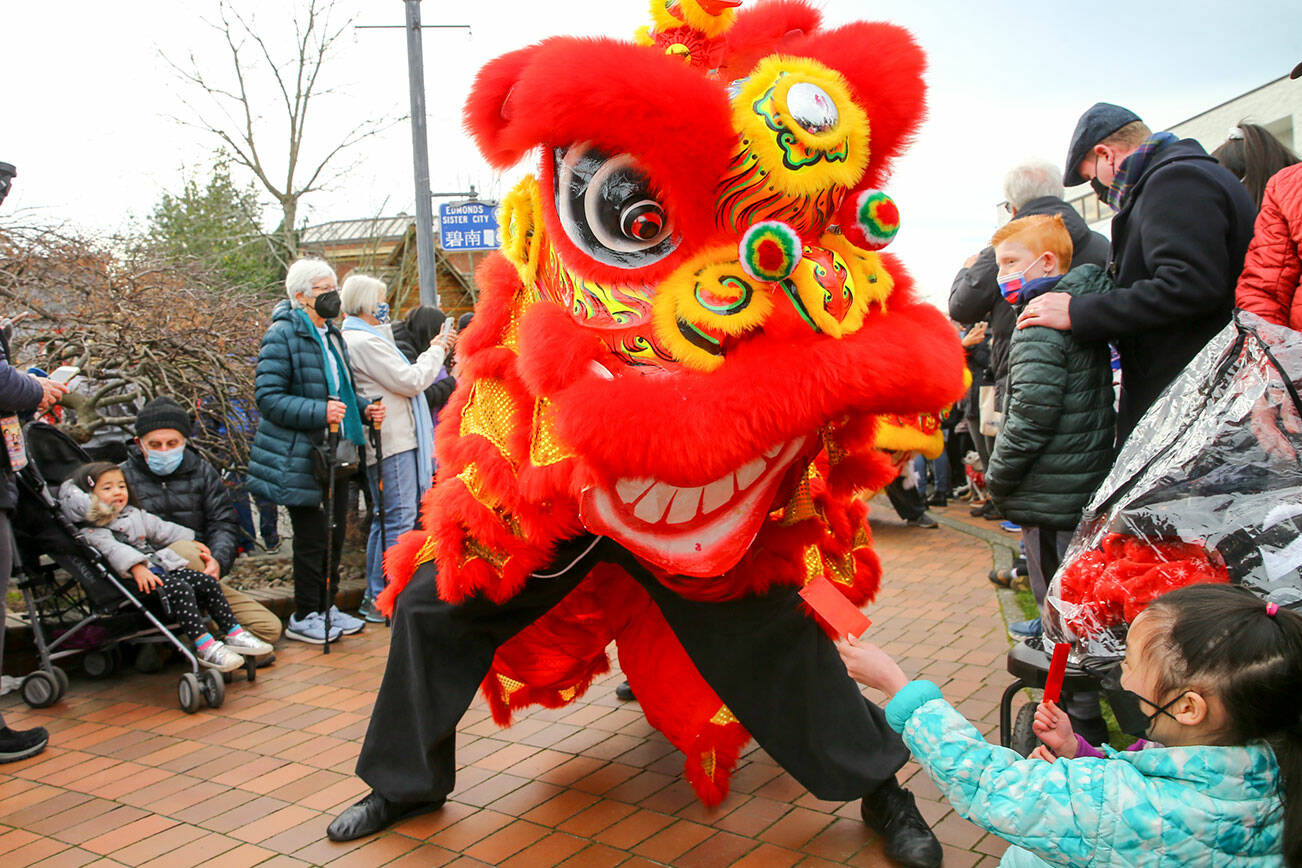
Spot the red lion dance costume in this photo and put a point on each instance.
(668, 397)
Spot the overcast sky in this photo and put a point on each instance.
(90, 107)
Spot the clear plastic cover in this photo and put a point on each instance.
(1208, 488)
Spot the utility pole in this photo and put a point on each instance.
(429, 290)
(429, 294)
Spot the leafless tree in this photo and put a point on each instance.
(228, 106)
(138, 327)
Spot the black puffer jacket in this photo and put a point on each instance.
(1178, 244)
(975, 294)
(192, 496)
(1055, 445)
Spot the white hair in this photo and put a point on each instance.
(302, 274)
(361, 293)
(1033, 179)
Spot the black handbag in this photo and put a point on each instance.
(338, 453)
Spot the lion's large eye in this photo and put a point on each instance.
(608, 209)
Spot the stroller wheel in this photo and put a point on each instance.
(1024, 738)
(214, 688)
(189, 693)
(41, 689)
(62, 678)
(101, 664)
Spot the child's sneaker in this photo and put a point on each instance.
(247, 644)
(347, 624)
(19, 744)
(311, 629)
(217, 656)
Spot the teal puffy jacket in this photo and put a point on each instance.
(1055, 445)
(291, 391)
(1218, 807)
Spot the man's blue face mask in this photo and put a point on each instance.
(164, 461)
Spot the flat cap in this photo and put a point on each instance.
(1297, 71)
(1102, 120)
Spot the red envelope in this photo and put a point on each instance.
(823, 597)
(1057, 670)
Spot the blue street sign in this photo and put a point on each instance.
(468, 226)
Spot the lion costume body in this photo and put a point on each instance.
(677, 360)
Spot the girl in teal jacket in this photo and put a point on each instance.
(1217, 671)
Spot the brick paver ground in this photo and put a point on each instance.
(131, 780)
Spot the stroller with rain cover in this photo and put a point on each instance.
(75, 602)
(1207, 488)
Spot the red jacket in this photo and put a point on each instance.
(1272, 271)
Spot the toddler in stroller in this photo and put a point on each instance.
(95, 498)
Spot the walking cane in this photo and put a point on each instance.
(377, 441)
(332, 443)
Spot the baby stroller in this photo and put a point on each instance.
(1208, 488)
(75, 601)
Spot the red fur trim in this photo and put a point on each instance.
(724, 744)
(764, 29)
(555, 350)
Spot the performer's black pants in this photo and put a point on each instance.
(771, 665)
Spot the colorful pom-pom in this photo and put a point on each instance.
(878, 218)
(769, 251)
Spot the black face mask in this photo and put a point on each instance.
(327, 304)
(1126, 704)
(1100, 190)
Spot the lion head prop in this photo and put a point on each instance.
(684, 342)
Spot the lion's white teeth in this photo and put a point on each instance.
(630, 490)
(651, 508)
(716, 494)
(684, 506)
(749, 472)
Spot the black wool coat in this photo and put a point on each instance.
(1177, 245)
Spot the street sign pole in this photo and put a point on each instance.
(429, 294)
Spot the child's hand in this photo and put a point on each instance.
(871, 666)
(1054, 729)
(146, 580)
(1043, 753)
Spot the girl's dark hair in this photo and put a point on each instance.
(1255, 158)
(1223, 636)
(87, 476)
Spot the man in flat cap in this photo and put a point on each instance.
(1182, 227)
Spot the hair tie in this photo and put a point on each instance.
(1271, 609)
(90, 480)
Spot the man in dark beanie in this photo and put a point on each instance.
(1182, 228)
(176, 484)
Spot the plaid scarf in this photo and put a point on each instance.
(1132, 168)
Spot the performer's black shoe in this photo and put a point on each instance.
(624, 693)
(891, 812)
(374, 813)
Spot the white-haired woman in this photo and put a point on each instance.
(382, 372)
(303, 384)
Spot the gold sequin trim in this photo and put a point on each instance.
(474, 483)
(841, 570)
(545, 448)
(426, 553)
(723, 717)
(707, 764)
(801, 505)
(476, 549)
(813, 564)
(508, 686)
(568, 693)
(490, 413)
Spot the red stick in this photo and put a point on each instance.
(1057, 670)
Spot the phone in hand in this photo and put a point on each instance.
(64, 373)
